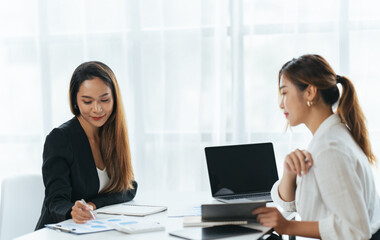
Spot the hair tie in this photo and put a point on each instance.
(338, 79)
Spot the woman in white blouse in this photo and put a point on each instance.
(330, 184)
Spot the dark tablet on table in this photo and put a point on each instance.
(196, 233)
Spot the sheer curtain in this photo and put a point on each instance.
(192, 74)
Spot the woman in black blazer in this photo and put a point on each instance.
(88, 157)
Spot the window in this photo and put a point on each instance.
(192, 73)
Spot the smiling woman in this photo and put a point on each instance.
(88, 157)
(95, 102)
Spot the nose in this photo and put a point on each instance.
(281, 103)
(97, 107)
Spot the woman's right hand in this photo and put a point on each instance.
(80, 212)
(297, 162)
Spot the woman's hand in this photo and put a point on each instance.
(297, 162)
(80, 212)
(271, 217)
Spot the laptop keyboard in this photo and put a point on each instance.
(256, 196)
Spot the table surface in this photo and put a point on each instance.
(174, 202)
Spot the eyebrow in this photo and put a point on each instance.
(103, 95)
(283, 86)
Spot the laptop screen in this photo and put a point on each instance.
(241, 169)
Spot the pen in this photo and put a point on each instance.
(63, 229)
(84, 202)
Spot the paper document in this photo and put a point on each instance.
(185, 211)
(132, 210)
(92, 226)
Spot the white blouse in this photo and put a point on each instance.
(103, 178)
(339, 189)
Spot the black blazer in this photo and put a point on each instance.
(69, 174)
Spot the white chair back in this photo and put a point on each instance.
(20, 206)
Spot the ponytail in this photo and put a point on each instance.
(312, 69)
(352, 115)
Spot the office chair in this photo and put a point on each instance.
(20, 206)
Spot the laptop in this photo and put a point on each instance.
(241, 173)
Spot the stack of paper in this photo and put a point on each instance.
(196, 221)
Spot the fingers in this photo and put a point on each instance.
(289, 163)
(295, 162)
(81, 221)
(268, 216)
(309, 159)
(81, 205)
(301, 161)
(91, 205)
(80, 218)
(265, 217)
(264, 210)
(80, 212)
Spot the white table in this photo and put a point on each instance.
(171, 200)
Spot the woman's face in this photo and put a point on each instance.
(292, 102)
(95, 101)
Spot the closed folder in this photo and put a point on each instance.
(230, 211)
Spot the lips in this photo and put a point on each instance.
(286, 115)
(97, 118)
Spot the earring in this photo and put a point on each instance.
(75, 106)
(309, 103)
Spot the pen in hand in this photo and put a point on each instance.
(92, 214)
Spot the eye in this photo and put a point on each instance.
(87, 103)
(105, 100)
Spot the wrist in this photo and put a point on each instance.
(289, 227)
(289, 174)
(289, 178)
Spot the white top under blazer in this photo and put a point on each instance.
(339, 190)
(103, 178)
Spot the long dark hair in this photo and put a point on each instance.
(114, 142)
(315, 70)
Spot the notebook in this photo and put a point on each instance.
(241, 173)
(213, 232)
(131, 209)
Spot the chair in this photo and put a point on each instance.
(20, 207)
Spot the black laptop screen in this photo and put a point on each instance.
(241, 169)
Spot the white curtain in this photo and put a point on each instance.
(192, 73)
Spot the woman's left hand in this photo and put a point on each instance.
(271, 217)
